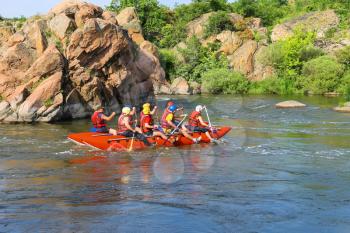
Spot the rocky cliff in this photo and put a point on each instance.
(61, 65)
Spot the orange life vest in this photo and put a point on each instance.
(97, 121)
(163, 121)
(121, 125)
(143, 121)
(193, 119)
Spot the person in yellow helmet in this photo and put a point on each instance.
(146, 122)
(125, 126)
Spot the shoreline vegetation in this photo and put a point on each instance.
(299, 65)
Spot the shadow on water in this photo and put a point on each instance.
(278, 171)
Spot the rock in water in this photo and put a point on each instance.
(344, 108)
(76, 58)
(290, 104)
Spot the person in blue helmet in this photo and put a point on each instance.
(168, 124)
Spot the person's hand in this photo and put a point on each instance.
(133, 108)
(113, 113)
(155, 107)
(155, 127)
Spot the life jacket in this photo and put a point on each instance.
(163, 121)
(121, 125)
(193, 119)
(97, 121)
(143, 122)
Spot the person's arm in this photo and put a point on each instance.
(169, 120)
(127, 125)
(108, 118)
(149, 126)
(154, 110)
(202, 122)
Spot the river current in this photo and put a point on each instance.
(278, 170)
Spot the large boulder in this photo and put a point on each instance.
(260, 71)
(61, 25)
(128, 19)
(290, 104)
(242, 59)
(180, 87)
(319, 22)
(230, 42)
(89, 61)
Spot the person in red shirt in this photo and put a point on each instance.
(197, 124)
(147, 126)
(99, 119)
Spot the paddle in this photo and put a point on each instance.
(133, 135)
(210, 125)
(172, 132)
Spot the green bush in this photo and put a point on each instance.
(322, 74)
(343, 56)
(344, 87)
(217, 23)
(168, 61)
(197, 60)
(224, 81)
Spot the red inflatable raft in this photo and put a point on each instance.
(110, 142)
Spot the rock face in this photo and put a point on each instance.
(290, 104)
(127, 18)
(76, 57)
(319, 22)
(239, 46)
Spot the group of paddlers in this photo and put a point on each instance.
(169, 124)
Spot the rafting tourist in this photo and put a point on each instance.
(99, 119)
(196, 123)
(168, 124)
(146, 122)
(125, 128)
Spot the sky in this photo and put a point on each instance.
(16, 8)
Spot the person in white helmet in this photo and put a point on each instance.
(125, 126)
(197, 124)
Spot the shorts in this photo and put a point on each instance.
(197, 129)
(99, 130)
(127, 133)
(149, 133)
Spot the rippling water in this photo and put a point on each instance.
(278, 171)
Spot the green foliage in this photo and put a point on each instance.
(197, 60)
(217, 23)
(168, 61)
(152, 15)
(287, 56)
(343, 56)
(271, 85)
(223, 80)
(268, 10)
(322, 74)
(344, 87)
(59, 45)
(172, 34)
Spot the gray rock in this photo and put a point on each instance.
(290, 104)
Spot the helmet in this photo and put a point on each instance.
(199, 108)
(170, 103)
(172, 108)
(146, 110)
(146, 105)
(126, 110)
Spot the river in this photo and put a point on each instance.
(279, 170)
